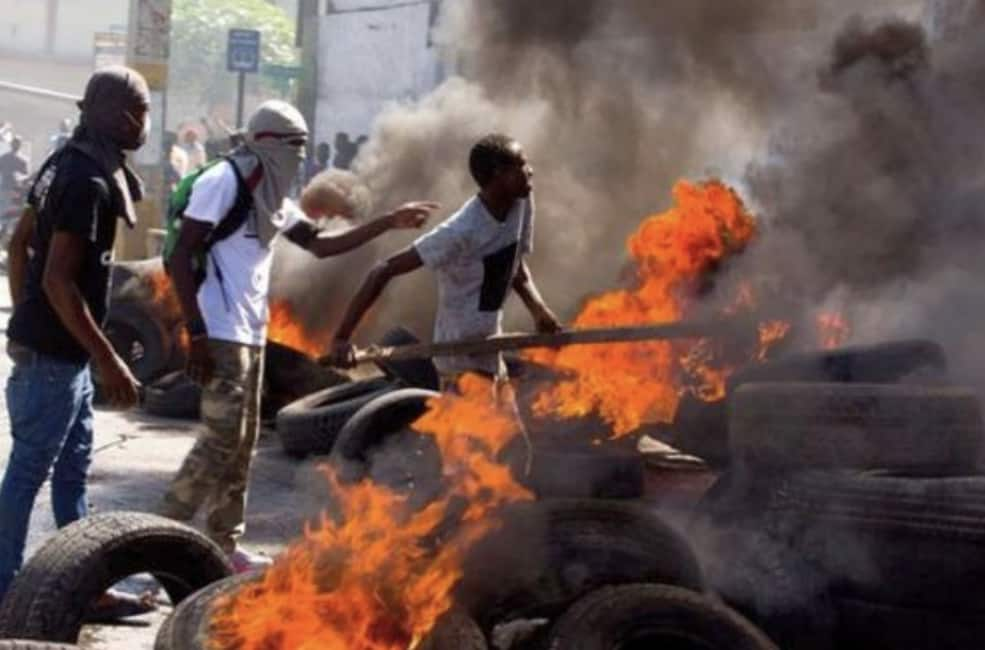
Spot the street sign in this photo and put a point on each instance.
(243, 50)
(282, 71)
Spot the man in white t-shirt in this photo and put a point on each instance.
(226, 317)
(478, 255)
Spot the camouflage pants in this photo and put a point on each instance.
(216, 470)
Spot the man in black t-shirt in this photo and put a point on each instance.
(61, 295)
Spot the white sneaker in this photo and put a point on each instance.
(243, 561)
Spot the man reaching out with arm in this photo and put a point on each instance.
(477, 254)
(226, 317)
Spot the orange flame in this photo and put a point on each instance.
(833, 330)
(285, 328)
(673, 253)
(370, 579)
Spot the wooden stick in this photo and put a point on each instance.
(503, 342)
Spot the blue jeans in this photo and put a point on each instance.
(50, 407)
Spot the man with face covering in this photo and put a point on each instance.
(226, 317)
(61, 297)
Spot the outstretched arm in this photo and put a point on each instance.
(544, 318)
(322, 244)
(379, 276)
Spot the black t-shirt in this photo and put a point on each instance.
(70, 195)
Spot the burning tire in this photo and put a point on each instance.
(50, 597)
(174, 396)
(593, 473)
(548, 554)
(657, 616)
(861, 426)
(140, 339)
(377, 442)
(189, 627)
(883, 363)
(311, 424)
(418, 373)
(290, 375)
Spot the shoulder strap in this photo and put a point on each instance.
(237, 214)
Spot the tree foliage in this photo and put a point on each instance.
(198, 44)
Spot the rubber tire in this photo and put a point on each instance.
(611, 617)
(547, 554)
(882, 363)
(311, 424)
(49, 597)
(378, 419)
(188, 628)
(915, 542)
(16, 644)
(593, 473)
(174, 396)
(572, 473)
(129, 318)
(290, 372)
(856, 426)
(414, 373)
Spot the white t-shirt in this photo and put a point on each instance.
(475, 258)
(233, 297)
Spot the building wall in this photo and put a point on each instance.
(24, 26)
(370, 52)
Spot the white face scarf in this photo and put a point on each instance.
(275, 139)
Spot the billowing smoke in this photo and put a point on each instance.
(874, 193)
(856, 139)
(614, 103)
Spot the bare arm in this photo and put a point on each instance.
(191, 239)
(379, 276)
(322, 244)
(17, 254)
(523, 284)
(63, 266)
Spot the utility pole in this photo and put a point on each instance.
(148, 51)
(51, 26)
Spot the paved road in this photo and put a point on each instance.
(135, 455)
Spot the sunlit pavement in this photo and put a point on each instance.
(134, 457)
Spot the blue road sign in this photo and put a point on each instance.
(243, 50)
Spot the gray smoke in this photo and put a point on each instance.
(614, 103)
(877, 208)
(856, 140)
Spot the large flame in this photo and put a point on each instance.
(285, 328)
(673, 253)
(377, 577)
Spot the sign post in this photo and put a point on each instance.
(242, 56)
(148, 45)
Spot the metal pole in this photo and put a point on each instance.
(239, 100)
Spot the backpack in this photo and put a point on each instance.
(230, 223)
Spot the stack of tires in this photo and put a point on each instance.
(593, 575)
(853, 514)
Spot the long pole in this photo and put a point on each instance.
(239, 100)
(503, 342)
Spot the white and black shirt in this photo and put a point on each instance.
(475, 258)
